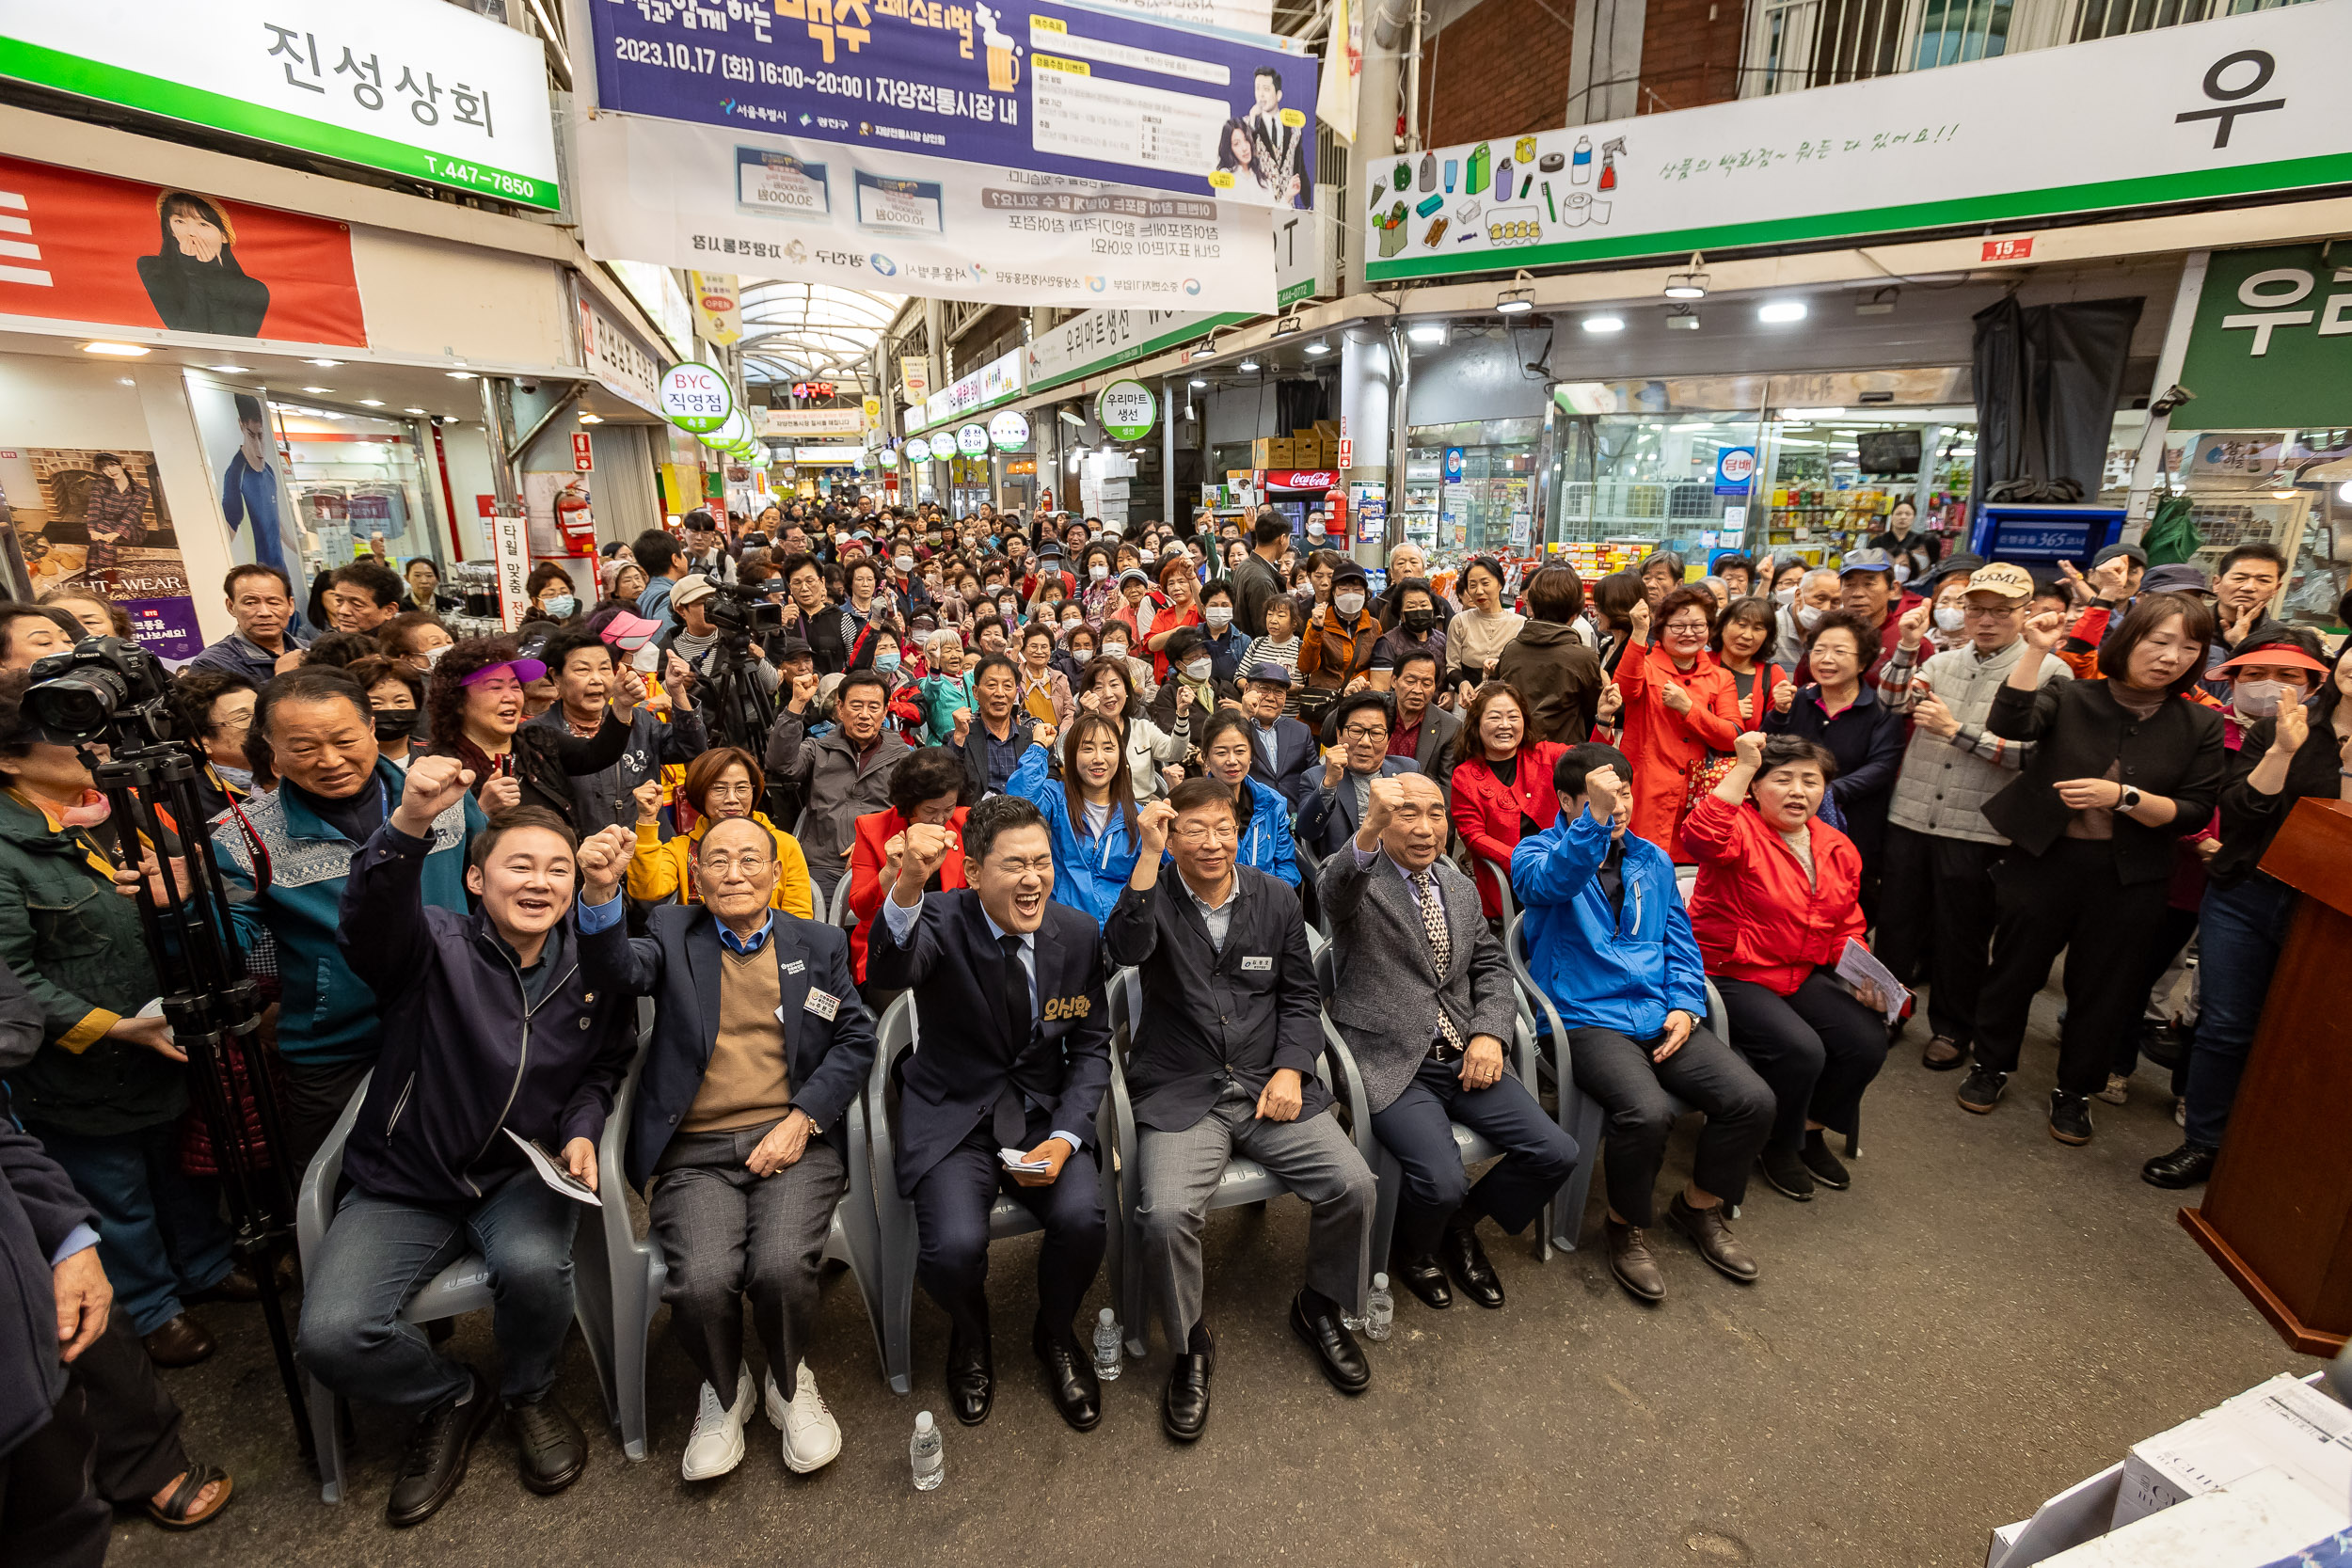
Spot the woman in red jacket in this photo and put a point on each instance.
(1779, 896)
(1502, 783)
(927, 788)
(1678, 706)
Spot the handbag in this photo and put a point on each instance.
(1705, 774)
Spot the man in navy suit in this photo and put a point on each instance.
(1338, 803)
(1281, 750)
(760, 1046)
(1013, 1064)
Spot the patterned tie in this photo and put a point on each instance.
(1442, 953)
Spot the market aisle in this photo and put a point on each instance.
(1985, 1318)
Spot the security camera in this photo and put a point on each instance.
(2174, 396)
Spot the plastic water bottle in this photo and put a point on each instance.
(1379, 1308)
(931, 1468)
(1108, 1352)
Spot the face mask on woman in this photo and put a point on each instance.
(903, 562)
(887, 662)
(1097, 572)
(397, 723)
(1198, 670)
(1218, 616)
(1347, 604)
(2259, 699)
(1114, 650)
(559, 606)
(1809, 616)
(1950, 617)
(1419, 620)
(1784, 596)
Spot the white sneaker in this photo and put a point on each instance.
(812, 1438)
(716, 1444)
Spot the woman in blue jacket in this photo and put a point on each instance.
(1265, 842)
(1610, 944)
(1091, 812)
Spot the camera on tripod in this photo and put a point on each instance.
(744, 610)
(104, 689)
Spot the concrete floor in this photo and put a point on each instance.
(1984, 1317)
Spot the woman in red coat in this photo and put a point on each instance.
(928, 787)
(1502, 783)
(1779, 896)
(1678, 706)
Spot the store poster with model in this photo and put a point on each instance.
(84, 248)
(248, 476)
(94, 520)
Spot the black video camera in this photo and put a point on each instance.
(744, 610)
(105, 689)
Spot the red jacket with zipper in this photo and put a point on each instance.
(1487, 811)
(1757, 916)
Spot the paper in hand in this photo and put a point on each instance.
(1858, 967)
(553, 1173)
(1018, 1159)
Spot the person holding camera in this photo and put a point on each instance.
(105, 1091)
(699, 633)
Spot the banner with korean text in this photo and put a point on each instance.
(884, 218)
(1052, 88)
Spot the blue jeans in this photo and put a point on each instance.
(378, 1254)
(2243, 928)
(160, 1235)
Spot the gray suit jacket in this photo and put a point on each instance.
(1388, 992)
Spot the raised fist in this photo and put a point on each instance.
(1676, 699)
(1602, 790)
(1152, 821)
(502, 793)
(804, 690)
(433, 786)
(1913, 625)
(925, 850)
(649, 797)
(1383, 797)
(1639, 617)
(1785, 696)
(1044, 735)
(603, 860)
(1612, 702)
(2045, 630)
(1750, 748)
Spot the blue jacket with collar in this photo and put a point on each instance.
(326, 1014)
(1089, 870)
(1605, 969)
(678, 965)
(1265, 838)
(467, 1053)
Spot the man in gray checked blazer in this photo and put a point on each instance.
(1424, 1000)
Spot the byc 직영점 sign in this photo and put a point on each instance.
(695, 397)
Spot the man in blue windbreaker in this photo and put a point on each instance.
(1609, 942)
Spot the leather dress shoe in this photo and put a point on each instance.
(1335, 1348)
(2186, 1166)
(1425, 1277)
(1068, 1376)
(238, 1285)
(181, 1342)
(548, 1443)
(1465, 1260)
(437, 1450)
(1185, 1413)
(1632, 1260)
(1714, 1240)
(971, 1379)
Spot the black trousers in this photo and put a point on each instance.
(1639, 1096)
(1936, 920)
(316, 1096)
(2171, 939)
(951, 1205)
(1818, 1047)
(137, 1423)
(1415, 1127)
(50, 1515)
(2068, 900)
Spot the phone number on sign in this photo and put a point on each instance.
(485, 179)
(699, 61)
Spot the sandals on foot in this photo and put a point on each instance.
(179, 1511)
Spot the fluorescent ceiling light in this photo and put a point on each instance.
(1198, 383)
(1603, 324)
(1247, 366)
(1319, 346)
(228, 370)
(371, 402)
(1687, 285)
(461, 375)
(586, 418)
(1426, 333)
(318, 389)
(119, 351)
(323, 364)
(1781, 310)
(412, 410)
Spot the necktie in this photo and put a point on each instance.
(1012, 1121)
(1442, 953)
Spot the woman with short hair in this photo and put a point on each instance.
(722, 783)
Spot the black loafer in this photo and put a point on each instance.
(1336, 1350)
(437, 1450)
(2186, 1166)
(1466, 1261)
(1068, 1376)
(548, 1443)
(971, 1380)
(1185, 1413)
(1425, 1277)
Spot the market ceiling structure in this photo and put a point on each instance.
(804, 331)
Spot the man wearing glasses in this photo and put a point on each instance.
(1342, 791)
(1223, 1063)
(1937, 910)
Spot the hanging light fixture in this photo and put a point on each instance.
(1688, 285)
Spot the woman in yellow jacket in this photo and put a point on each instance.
(723, 782)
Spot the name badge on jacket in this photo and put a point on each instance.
(1059, 1007)
(823, 1004)
(1257, 965)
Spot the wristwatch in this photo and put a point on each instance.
(2128, 800)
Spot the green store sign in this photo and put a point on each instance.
(2272, 345)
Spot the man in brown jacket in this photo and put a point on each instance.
(1559, 678)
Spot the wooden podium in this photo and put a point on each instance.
(2278, 1213)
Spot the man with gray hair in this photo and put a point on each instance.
(1817, 595)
